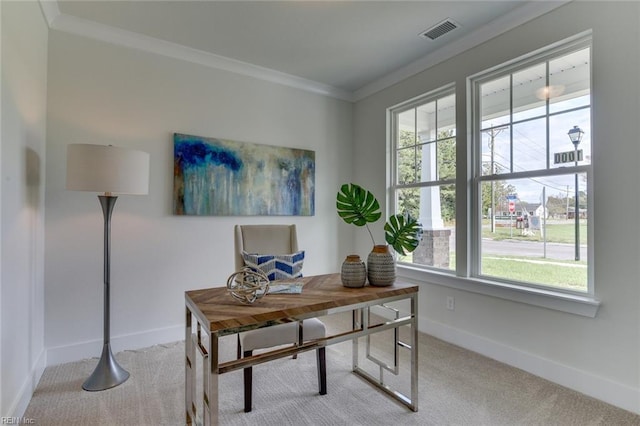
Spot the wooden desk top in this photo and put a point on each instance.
(320, 292)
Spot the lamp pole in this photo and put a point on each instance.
(108, 373)
(575, 135)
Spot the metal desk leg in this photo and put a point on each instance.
(412, 321)
(356, 324)
(414, 352)
(210, 385)
(189, 371)
(210, 361)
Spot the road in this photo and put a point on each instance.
(532, 248)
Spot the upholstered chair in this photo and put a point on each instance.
(277, 240)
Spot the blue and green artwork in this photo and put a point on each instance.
(227, 178)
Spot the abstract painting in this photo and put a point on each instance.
(226, 178)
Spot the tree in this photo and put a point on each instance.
(560, 204)
(557, 205)
(407, 164)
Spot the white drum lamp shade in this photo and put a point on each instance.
(108, 169)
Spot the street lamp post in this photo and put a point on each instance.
(575, 135)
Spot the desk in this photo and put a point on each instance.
(217, 314)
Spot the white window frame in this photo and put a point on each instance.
(442, 92)
(476, 214)
(466, 277)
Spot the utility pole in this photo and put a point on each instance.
(543, 227)
(567, 202)
(493, 132)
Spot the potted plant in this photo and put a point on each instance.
(360, 207)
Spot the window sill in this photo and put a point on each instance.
(574, 304)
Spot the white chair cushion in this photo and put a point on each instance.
(282, 334)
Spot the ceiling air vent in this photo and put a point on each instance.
(440, 29)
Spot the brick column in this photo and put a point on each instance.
(433, 249)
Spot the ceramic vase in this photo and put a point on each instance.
(353, 272)
(381, 266)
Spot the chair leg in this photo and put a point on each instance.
(322, 370)
(248, 381)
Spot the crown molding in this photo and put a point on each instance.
(50, 11)
(498, 26)
(91, 29)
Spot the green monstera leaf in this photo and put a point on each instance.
(360, 207)
(402, 233)
(356, 205)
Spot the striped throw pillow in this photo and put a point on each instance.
(276, 266)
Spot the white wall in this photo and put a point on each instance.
(104, 94)
(22, 153)
(598, 356)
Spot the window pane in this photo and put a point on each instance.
(435, 209)
(534, 228)
(494, 102)
(406, 168)
(569, 77)
(559, 142)
(528, 240)
(526, 92)
(406, 125)
(426, 155)
(426, 122)
(446, 158)
(408, 201)
(530, 145)
(496, 151)
(447, 116)
(436, 161)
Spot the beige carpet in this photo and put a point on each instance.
(457, 387)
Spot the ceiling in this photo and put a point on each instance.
(349, 46)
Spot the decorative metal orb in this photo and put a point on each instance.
(247, 285)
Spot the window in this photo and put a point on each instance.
(531, 181)
(528, 184)
(424, 173)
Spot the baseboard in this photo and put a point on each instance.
(620, 395)
(77, 351)
(21, 401)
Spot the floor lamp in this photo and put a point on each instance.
(110, 170)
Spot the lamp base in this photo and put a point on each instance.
(108, 373)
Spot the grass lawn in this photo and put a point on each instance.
(569, 275)
(556, 233)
